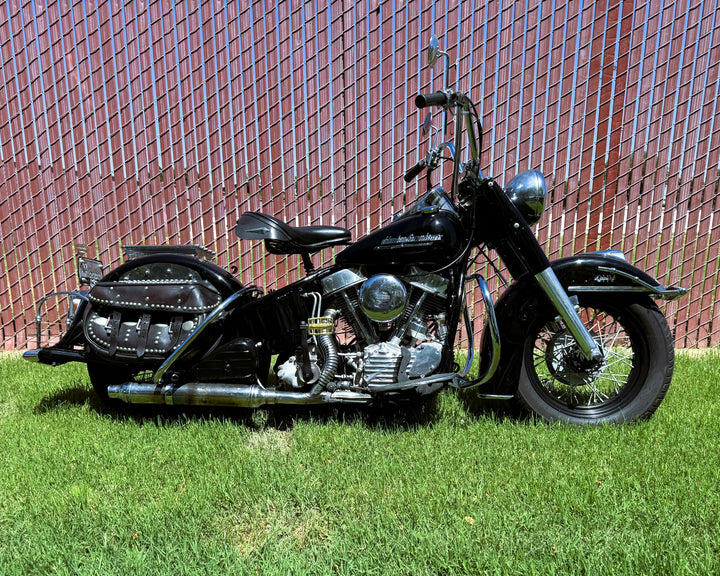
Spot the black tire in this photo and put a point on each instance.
(629, 385)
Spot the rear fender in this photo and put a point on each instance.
(225, 282)
(595, 272)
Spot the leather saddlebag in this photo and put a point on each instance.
(145, 320)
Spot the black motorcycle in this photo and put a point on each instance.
(578, 339)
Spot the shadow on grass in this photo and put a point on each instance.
(494, 409)
(77, 395)
(405, 414)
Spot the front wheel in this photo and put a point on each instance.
(556, 383)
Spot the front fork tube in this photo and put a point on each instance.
(557, 295)
(522, 254)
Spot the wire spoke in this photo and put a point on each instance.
(555, 360)
(623, 360)
(595, 393)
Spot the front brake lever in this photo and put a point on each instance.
(435, 154)
(431, 161)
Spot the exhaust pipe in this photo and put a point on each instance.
(212, 394)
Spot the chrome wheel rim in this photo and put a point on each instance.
(563, 374)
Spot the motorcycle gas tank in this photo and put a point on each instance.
(427, 240)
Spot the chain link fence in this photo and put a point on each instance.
(158, 122)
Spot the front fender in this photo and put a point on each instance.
(594, 272)
(609, 272)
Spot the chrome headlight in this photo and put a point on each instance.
(527, 191)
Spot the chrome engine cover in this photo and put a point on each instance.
(341, 280)
(397, 323)
(381, 363)
(424, 359)
(389, 363)
(383, 298)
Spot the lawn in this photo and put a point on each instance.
(444, 488)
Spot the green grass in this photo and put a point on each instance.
(445, 488)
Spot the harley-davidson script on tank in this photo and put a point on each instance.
(412, 240)
(431, 241)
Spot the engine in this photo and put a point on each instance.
(388, 329)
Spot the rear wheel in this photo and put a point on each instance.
(557, 383)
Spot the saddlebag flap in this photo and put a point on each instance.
(182, 297)
(134, 320)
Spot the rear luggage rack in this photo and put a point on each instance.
(138, 250)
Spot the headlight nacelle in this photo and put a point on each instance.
(527, 191)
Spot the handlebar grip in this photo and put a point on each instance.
(434, 99)
(414, 171)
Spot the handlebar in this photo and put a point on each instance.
(415, 170)
(464, 111)
(434, 99)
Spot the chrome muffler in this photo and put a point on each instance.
(213, 394)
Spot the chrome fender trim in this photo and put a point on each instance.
(641, 286)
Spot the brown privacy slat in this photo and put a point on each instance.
(124, 123)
